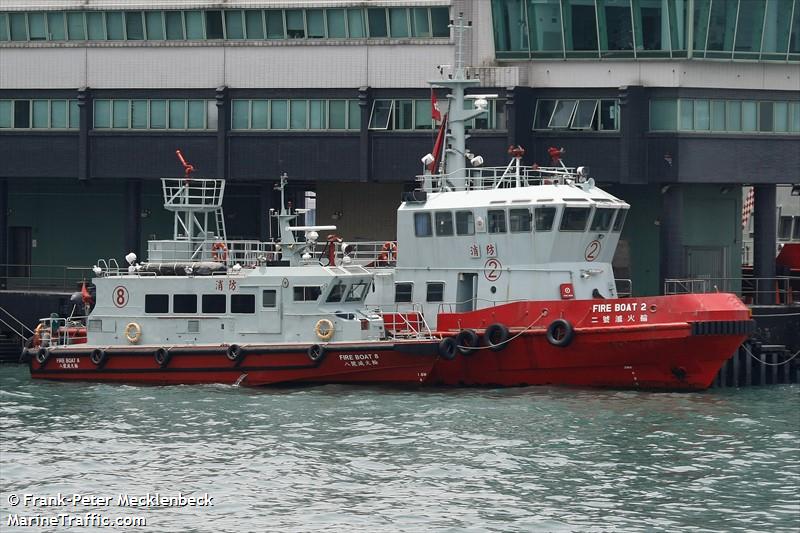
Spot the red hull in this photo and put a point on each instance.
(407, 362)
(680, 345)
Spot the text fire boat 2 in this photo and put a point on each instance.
(204, 309)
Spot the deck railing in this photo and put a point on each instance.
(778, 290)
(43, 277)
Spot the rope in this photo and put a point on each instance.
(766, 363)
(529, 326)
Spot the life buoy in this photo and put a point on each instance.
(467, 341)
(42, 356)
(36, 339)
(162, 357)
(324, 329)
(560, 333)
(389, 252)
(219, 252)
(447, 348)
(98, 357)
(316, 352)
(234, 353)
(133, 332)
(495, 337)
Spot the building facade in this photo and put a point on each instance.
(674, 105)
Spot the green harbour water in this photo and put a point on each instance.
(337, 458)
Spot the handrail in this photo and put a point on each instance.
(18, 321)
(34, 276)
(784, 289)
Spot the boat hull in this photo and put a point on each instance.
(408, 362)
(680, 345)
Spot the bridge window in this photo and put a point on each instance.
(435, 292)
(214, 304)
(156, 303)
(444, 224)
(519, 220)
(402, 292)
(574, 218)
(336, 293)
(602, 219)
(422, 225)
(307, 294)
(357, 292)
(269, 298)
(544, 218)
(184, 303)
(620, 220)
(465, 223)
(497, 220)
(243, 303)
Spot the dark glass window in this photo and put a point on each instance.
(134, 26)
(357, 292)
(620, 220)
(269, 298)
(274, 24)
(496, 220)
(254, 24)
(307, 294)
(544, 217)
(295, 26)
(316, 23)
(583, 36)
(796, 230)
(440, 21)
(435, 291)
(214, 303)
(784, 228)
(156, 303)
(376, 17)
(184, 303)
(234, 28)
(174, 23)
(519, 220)
(444, 223)
(422, 225)
(243, 303)
(214, 25)
(336, 293)
(465, 223)
(574, 218)
(22, 114)
(602, 219)
(402, 292)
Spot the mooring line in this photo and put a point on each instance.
(769, 364)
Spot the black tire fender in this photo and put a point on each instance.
(495, 336)
(560, 333)
(42, 356)
(98, 357)
(234, 353)
(448, 348)
(162, 357)
(467, 341)
(316, 352)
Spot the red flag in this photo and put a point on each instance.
(438, 145)
(435, 113)
(87, 298)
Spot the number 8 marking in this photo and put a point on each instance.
(120, 296)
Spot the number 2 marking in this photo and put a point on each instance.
(592, 250)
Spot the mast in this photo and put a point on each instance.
(456, 140)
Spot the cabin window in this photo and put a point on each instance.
(184, 303)
(465, 223)
(269, 298)
(435, 291)
(307, 294)
(519, 220)
(357, 292)
(602, 219)
(336, 293)
(544, 217)
(444, 224)
(422, 225)
(402, 292)
(243, 303)
(575, 218)
(497, 220)
(156, 303)
(620, 220)
(214, 303)
(784, 228)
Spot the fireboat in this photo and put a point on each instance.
(512, 266)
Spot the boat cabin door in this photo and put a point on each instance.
(466, 290)
(270, 311)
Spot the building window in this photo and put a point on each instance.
(269, 298)
(496, 220)
(785, 228)
(184, 303)
(577, 114)
(574, 218)
(155, 114)
(39, 114)
(156, 303)
(724, 116)
(295, 114)
(435, 291)
(416, 115)
(465, 223)
(444, 224)
(402, 292)
(307, 294)
(243, 303)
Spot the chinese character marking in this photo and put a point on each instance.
(491, 251)
(219, 284)
(643, 318)
(474, 251)
(232, 285)
(631, 318)
(606, 319)
(618, 319)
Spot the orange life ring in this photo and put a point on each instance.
(219, 252)
(389, 251)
